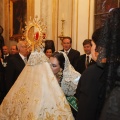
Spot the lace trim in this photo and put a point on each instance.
(37, 58)
(102, 54)
(70, 78)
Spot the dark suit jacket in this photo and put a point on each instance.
(73, 55)
(81, 63)
(2, 87)
(5, 60)
(90, 93)
(14, 67)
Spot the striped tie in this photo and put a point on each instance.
(87, 61)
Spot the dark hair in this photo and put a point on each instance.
(96, 35)
(60, 57)
(87, 41)
(67, 38)
(49, 44)
(48, 49)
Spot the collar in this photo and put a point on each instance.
(6, 55)
(90, 56)
(67, 50)
(22, 56)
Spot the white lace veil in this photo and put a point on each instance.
(70, 77)
(37, 58)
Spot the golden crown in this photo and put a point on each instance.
(35, 33)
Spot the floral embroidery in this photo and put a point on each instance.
(36, 58)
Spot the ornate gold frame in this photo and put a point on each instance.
(38, 33)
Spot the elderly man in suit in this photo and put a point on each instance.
(85, 60)
(15, 65)
(72, 54)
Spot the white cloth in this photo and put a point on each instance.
(36, 94)
(70, 77)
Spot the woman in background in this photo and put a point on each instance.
(48, 52)
(49, 48)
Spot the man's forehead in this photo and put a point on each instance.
(87, 45)
(66, 40)
(5, 47)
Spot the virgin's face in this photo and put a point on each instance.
(54, 65)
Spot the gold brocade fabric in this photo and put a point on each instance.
(36, 94)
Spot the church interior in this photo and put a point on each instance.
(59, 59)
(75, 18)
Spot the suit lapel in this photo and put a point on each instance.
(20, 61)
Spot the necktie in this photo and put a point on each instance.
(87, 61)
(25, 60)
(66, 53)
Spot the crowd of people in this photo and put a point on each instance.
(63, 84)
